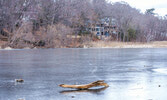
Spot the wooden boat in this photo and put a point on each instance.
(86, 86)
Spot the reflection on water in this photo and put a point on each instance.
(86, 90)
(132, 74)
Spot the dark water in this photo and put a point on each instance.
(133, 74)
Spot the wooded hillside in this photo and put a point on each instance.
(58, 23)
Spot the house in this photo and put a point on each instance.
(105, 28)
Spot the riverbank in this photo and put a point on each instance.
(104, 44)
(2, 43)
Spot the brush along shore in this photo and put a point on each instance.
(106, 44)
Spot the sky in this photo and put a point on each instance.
(159, 5)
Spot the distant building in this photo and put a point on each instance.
(105, 28)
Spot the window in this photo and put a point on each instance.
(97, 29)
(98, 33)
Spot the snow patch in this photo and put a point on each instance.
(8, 48)
(161, 70)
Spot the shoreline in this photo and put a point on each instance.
(103, 44)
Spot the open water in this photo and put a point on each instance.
(133, 74)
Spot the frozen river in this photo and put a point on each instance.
(133, 74)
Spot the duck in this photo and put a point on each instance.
(19, 80)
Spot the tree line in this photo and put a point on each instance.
(53, 23)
